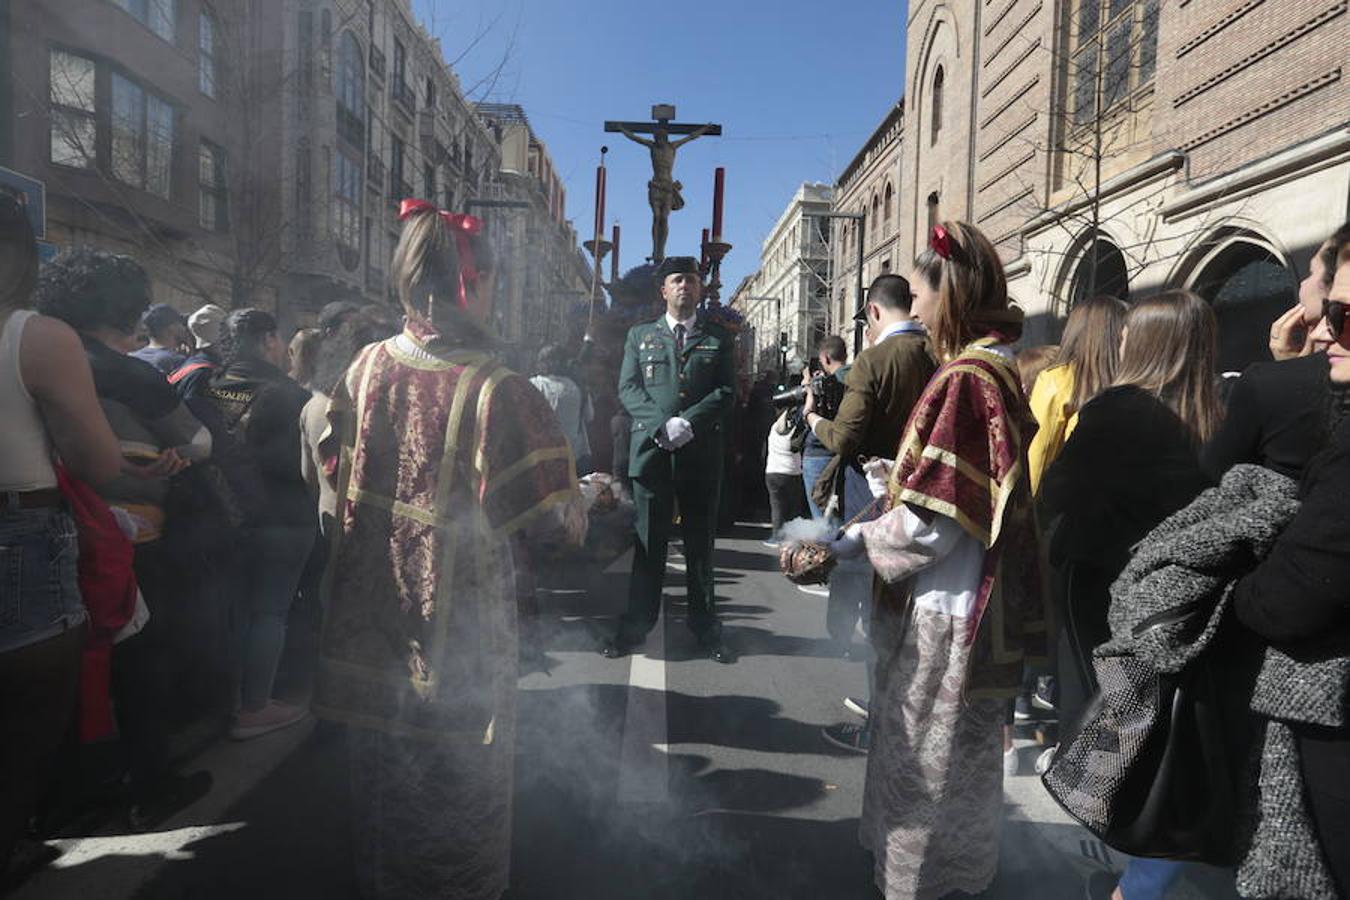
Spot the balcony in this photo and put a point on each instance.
(351, 127)
(404, 96)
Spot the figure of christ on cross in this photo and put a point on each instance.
(663, 191)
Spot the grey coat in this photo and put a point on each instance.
(1186, 570)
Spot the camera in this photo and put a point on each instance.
(828, 390)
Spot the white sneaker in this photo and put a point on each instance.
(272, 717)
(1010, 762)
(1045, 759)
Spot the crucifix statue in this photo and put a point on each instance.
(663, 191)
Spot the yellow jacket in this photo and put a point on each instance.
(1049, 402)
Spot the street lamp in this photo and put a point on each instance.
(857, 326)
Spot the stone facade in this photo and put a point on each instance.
(1125, 146)
(111, 113)
(790, 291)
(543, 279)
(252, 153)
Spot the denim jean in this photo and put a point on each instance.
(39, 587)
(1149, 879)
(272, 559)
(812, 466)
(850, 603)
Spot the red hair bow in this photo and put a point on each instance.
(940, 242)
(462, 226)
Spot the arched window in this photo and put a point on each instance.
(933, 215)
(1248, 286)
(876, 207)
(888, 205)
(1107, 276)
(938, 78)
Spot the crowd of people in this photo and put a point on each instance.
(201, 519)
(994, 502)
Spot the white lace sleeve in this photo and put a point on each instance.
(901, 543)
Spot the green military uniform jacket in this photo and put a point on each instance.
(701, 387)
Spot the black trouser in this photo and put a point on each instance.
(37, 698)
(1324, 754)
(655, 500)
(145, 672)
(786, 499)
(1082, 594)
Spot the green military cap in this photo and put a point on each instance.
(674, 265)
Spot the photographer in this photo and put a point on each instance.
(882, 387)
(827, 386)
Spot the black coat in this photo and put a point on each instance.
(1129, 464)
(1298, 599)
(1276, 418)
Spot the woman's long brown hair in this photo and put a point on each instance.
(425, 273)
(970, 286)
(1091, 347)
(1170, 351)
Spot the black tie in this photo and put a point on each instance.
(679, 340)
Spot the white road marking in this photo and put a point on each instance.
(168, 845)
(644, 769)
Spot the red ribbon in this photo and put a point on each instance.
(940, 242)
(462, 226)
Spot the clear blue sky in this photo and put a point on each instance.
(797, 85)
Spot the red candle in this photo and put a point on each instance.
(599, 203)
(719, 184)
(703, 250)
(614, 260)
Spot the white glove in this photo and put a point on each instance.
(878, 472)
(849, 545)
(677, 432)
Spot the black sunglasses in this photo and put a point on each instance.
(1334, 312)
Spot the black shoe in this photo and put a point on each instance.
(170, 797)
(27, 857)
(719, 652)
(616, 648)
(855, 738)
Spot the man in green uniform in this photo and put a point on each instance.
(678, 382)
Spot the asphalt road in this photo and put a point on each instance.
(662, 775)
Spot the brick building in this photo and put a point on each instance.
(869, 187)
(1124, 146)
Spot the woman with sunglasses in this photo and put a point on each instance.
(1298, 598)
(1276, 411)
(957, 562)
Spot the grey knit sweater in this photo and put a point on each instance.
(1186, 569)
